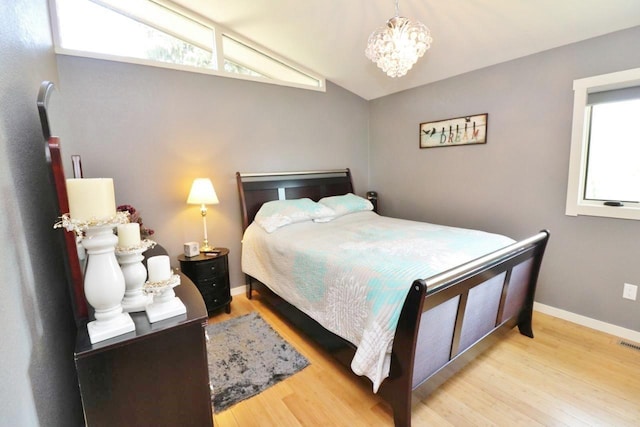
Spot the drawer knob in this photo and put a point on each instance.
(214, 285)
(213, 268)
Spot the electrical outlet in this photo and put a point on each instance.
(630, 291)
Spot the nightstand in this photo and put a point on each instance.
(210, 274)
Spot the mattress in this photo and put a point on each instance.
(352, 274)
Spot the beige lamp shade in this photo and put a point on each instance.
(202, 193)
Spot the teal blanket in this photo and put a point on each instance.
(352, 274)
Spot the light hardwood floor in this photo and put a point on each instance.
(568, 375)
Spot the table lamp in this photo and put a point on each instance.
(202, 193)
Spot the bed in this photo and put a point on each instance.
(435, 296)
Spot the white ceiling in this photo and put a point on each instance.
(329, 36)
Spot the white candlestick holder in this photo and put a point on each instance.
(104, 285)
(135, 275)
(165, 302)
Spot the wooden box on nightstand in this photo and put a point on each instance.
(210, 274)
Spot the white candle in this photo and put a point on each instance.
(159, 268)
(129, 235)
(91, 198)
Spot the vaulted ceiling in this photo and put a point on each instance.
(329, 36)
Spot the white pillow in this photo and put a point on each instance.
(278, 213)
(346, 204)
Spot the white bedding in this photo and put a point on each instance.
(352, 274)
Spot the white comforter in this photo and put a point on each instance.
(352, 274)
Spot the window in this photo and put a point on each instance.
(88, 26)
(159, 33)
(604, 170)
(244, 56)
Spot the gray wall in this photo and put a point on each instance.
(154, 130)
(516, 183)
(37, 380)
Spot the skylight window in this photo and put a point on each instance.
(159, 33)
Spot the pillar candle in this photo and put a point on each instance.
(91, 198)
(159, 268)
(129, 235)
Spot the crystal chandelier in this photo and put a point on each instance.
(398, 45)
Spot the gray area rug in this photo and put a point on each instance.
(246, 356)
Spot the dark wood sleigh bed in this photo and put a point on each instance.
(446, 320)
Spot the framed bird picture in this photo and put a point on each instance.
(459, 131)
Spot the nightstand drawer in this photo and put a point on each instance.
(213, 286)
(215, 301)
(210, 269)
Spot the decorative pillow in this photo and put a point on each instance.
(278, 213)
(346, 204)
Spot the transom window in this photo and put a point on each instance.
(604, 173)
(160, 33)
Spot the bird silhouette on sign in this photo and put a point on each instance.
(429, 133)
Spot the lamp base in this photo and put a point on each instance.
(206, 248)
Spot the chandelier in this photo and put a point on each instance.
(398, 45)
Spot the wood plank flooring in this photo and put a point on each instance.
(568, 375)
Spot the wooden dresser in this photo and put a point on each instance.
(154, 376)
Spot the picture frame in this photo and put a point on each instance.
(466, 130)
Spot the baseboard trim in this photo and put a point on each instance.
(598, 325)
(238, 290)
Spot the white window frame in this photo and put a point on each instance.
(576, 203)
(218, 32)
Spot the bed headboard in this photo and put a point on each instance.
(255, 189)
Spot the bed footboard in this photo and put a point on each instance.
(446, 320)
(452, 317)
